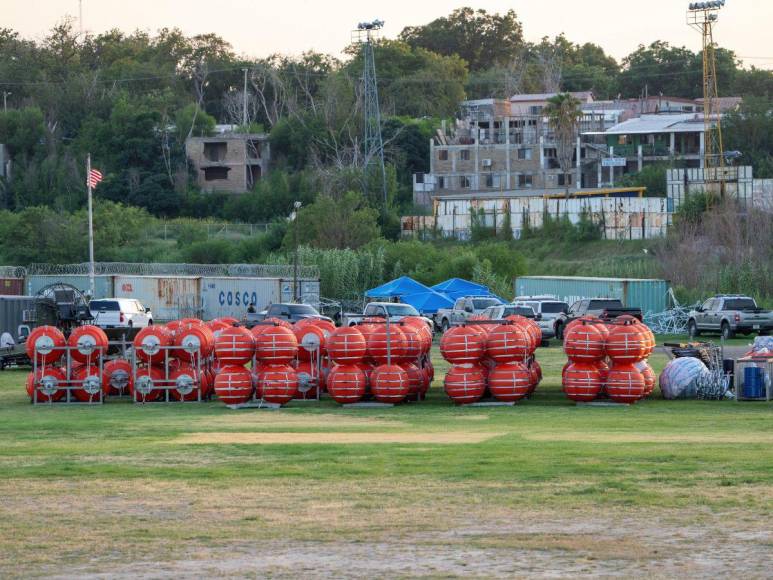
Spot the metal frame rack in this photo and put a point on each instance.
(142, 387)
(42, 386)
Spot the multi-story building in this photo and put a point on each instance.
(503, 146)
(229, 162)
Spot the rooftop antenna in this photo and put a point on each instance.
(702, 16)
(365, 34)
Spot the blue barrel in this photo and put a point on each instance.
(753, 383)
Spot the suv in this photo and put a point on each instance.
(551, 312)
(604, 308)
(292, 313)
(120, 313)
(728, 315)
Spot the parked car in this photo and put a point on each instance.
(120, 313)
(395, 310)
(604, 308)
(729, 315)
(463, 309)
(551, 312)
(292, 313)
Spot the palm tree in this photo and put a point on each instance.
(563, 113)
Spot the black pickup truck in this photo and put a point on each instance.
(604, 308)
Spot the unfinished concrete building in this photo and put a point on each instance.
(229, 162)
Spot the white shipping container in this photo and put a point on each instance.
(168, 297)
(224, 296)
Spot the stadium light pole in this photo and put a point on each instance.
(294, 217)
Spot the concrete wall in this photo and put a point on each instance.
(229, 163)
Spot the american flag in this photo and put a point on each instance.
(95, 176)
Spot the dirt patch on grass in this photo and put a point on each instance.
(273, 419)
(332, 438)
(616, 437)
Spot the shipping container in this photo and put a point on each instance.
(17, 312)
(103, 285)
(168, 297)
(648, 294)
(11, 286)
(309, 291)
(225, 296)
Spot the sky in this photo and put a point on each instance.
(258, 28)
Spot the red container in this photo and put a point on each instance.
(233, 385)
(582, 381)
(465, 383)
(46, 343)
(510, 381)
(145, 388)
(116, 377)
(149, 343)
(385, 345)
(389, 383)
(584, 341)
(50, 381)
(276, 345)
(87, 343)
(279, 384)
(347, 383)
(347, 345)
(89, 383)
(192, 342)
(625, 384)
(462, 345)
(508, 343)
(11, 286)
(234, 346)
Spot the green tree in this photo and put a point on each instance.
(750, 131)
(563, 113)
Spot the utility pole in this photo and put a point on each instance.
(5, 100)
(244, 103)
(365, 34)
(297, 207)
(80, 16)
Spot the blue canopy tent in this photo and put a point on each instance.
(421, 297)
(458, 288)
(400, 287)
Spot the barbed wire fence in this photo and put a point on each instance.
(159, 269)
(173, 230)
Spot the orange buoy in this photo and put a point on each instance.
(279, 322)
(276, 345)
(146, 385)
(509, 381)
(386, 344)
(465, 383)
(217, 326)
(311, 339)
(347, 345)
(234, 346)
(347, 383)
(508, 343)
(582, 381)
(415, 380)
(649, 376)
(117, 377)
(88, 383)
(187, 383)
(48, 382)
(233, 385)
(193, 343)
(425, 332)
(310, 380)
(151, 342)
(462, 345)
(279, 383)
(627, 342)
(46, 343)
(584, 341)
(625, 383)
(413, 345)
(87, 344)
(389, 383)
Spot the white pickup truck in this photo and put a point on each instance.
(463, 309)
(396, 312)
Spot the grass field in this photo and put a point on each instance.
(543, 488)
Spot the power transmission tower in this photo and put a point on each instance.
(702, 16)
(365, 34)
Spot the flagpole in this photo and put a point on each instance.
(91, 227)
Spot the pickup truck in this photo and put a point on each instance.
(396, 312)
(462, 310)
(604, 308)
(550, 312)
(292, 313)
(728, 315)
(504, 310)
